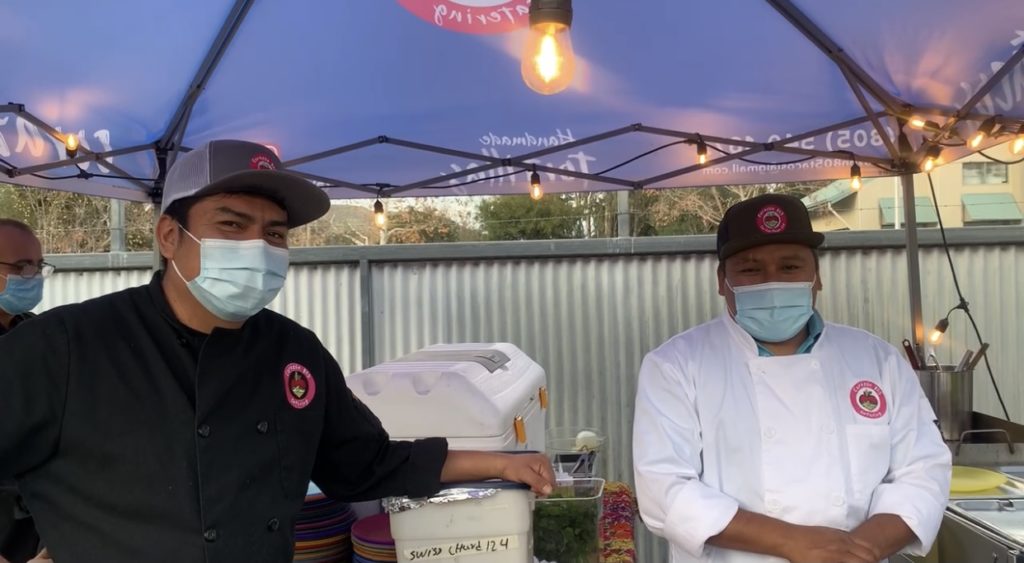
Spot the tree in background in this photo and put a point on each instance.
(68, 223)
(417, 224)
(693, 211)
(517, 217)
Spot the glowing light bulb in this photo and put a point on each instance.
(378, 214)
(1018, 144)
(917, 122)
(71, 145)
(702, 153)
(931, 158)
(536, 190)
(938, 331)
(548, 62)
(855, 182)
(984, 131)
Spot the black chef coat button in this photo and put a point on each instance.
(273, 524)
(203, 430)
(183, 341)
(210, 535)
(262, 427)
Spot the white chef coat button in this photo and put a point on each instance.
(773, 504)
(838, 500)
(828, 428)
(815, 364)
(769, 433)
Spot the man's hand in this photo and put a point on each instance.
(816, 544)
(532, 469)
(43, 557)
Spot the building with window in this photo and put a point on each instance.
(974, 191)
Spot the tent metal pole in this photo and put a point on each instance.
(913, 263)
(179, 121)
(832, 50)
(622, 206)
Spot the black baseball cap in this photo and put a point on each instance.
(766, 219)
(230, 166)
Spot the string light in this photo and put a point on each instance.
(1018, 143)
(702, 152)
(855, 181)
(71, 145)
(931, 158)
(984, 131)
(536, 190)
(939, 330)
(918, 122)
(379, 218)
(548, 62)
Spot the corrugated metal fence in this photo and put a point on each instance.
(588, 311)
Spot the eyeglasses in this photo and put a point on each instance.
(29, 270)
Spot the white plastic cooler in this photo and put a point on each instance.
(489, 396)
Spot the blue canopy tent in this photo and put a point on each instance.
(424, 97)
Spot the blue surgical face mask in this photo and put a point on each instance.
(21, 295)
(237, 278)
(773, 312)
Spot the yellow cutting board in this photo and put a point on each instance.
(974, 479)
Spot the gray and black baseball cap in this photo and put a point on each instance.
(229, 166)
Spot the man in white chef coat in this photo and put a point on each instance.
(769, 435)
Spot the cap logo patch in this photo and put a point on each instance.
(868, 400)
(262, 162)
(299, 386)
(771, 219)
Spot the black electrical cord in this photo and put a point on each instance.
(751, 161)
(639, 156)
(1006, 162)
(963, 305)
(617, 166)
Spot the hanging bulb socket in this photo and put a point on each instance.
(931, 158)
(918, 122)
(984, 131)
(378, 213)
(551, 11)
(71, 145)
(1018, 144)
(548, 62)
(536, 190)
(855, 179)
(939, 330)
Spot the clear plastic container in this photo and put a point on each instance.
(567, 524)
(575, 451)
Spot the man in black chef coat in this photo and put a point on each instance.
(181, 421)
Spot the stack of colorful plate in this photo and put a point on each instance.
(372, 541)
(322, 529)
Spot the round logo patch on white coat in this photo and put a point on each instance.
(299, 386)
(868, 400)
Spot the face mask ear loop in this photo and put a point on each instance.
(177, 271)
(173, 263)
(182, 227)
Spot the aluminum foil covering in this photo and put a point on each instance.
(401, 504)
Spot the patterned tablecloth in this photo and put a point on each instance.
(617, 521)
